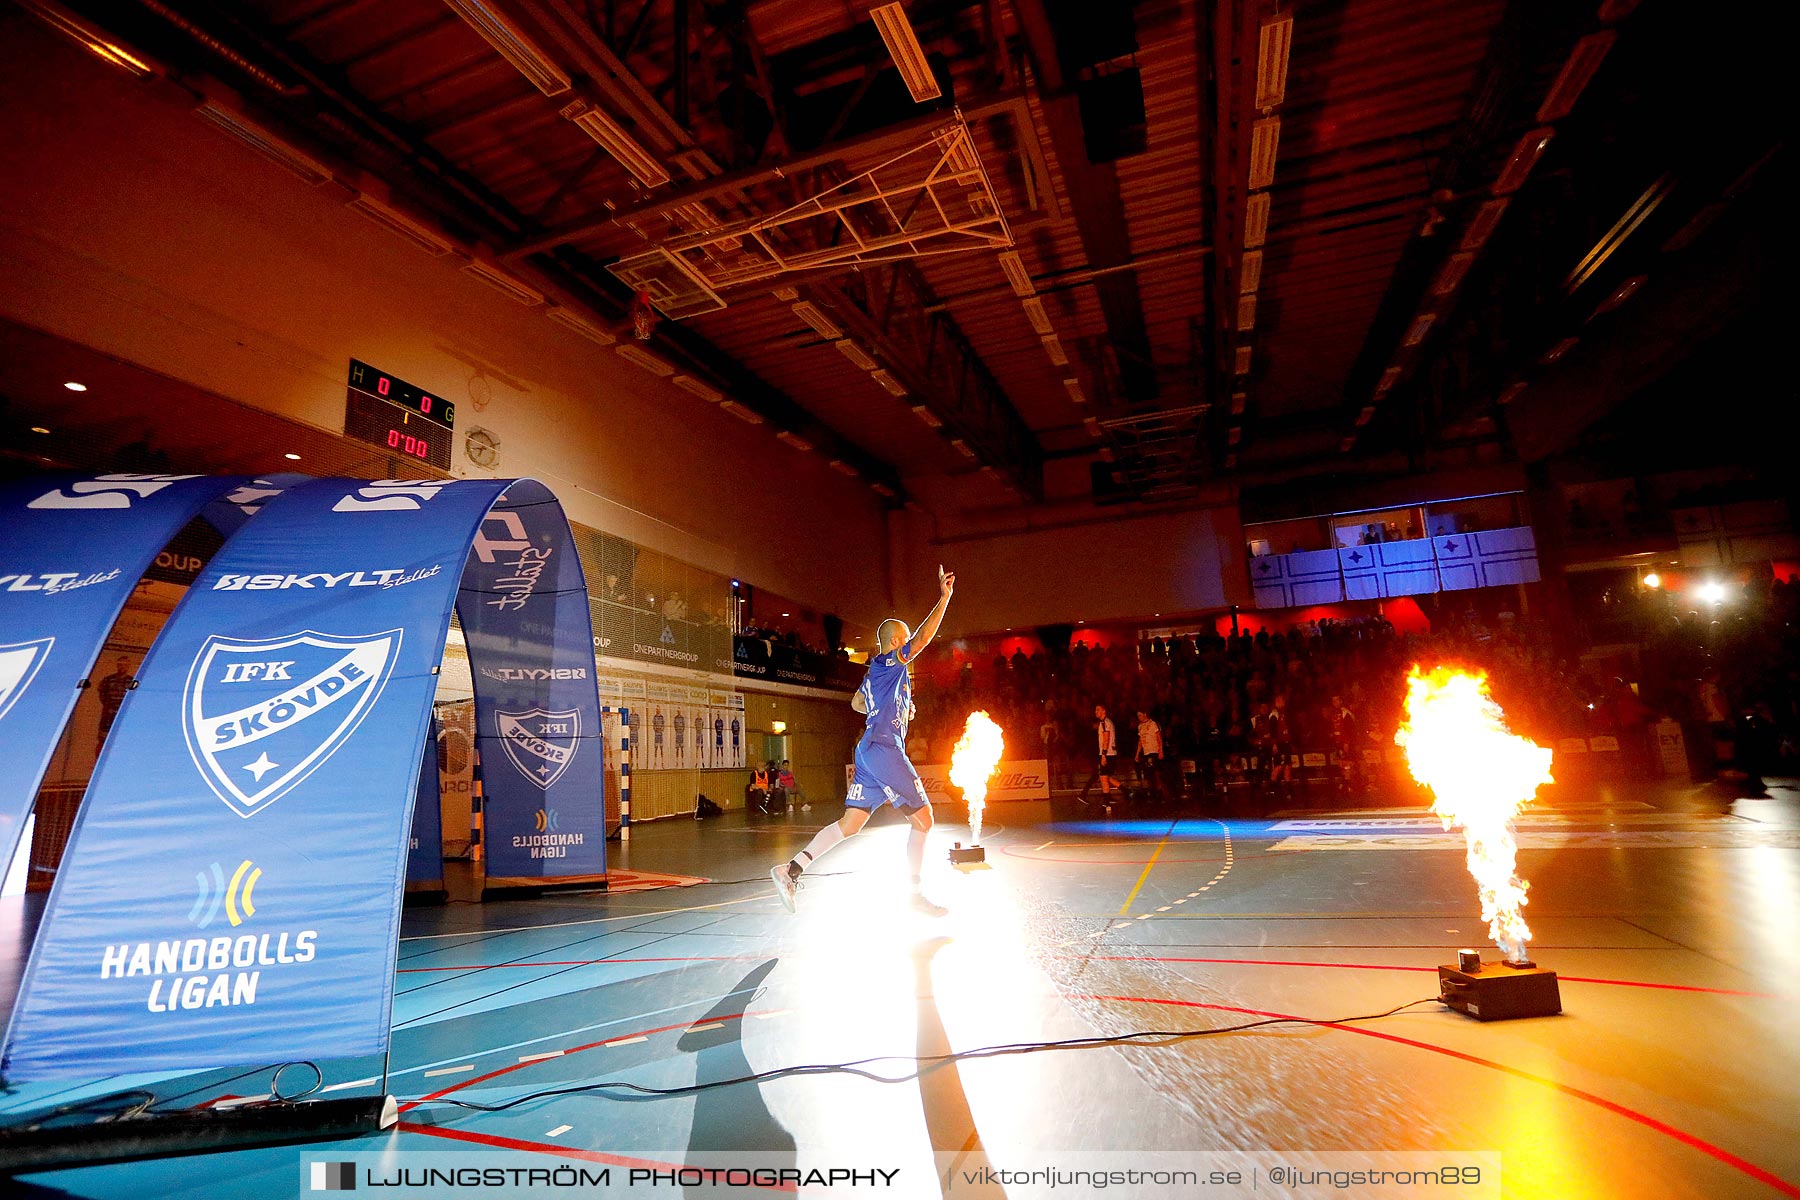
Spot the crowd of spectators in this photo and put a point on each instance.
(1727, 667)
(1238, 706)
(1725, 670)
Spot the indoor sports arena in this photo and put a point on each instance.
(998, 598)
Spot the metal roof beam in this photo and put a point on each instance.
(1098, 207)
(891, 310)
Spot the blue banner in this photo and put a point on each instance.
(71, 549)
(524, 611)
(231, 890)
(425, 853)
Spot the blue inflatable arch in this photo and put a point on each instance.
(274, 746)
(72, 548)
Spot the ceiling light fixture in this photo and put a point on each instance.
(1272, 46)
(513, 45)
(1250, 272)
(644, 359)
(1523, 158)
(855, 354)
(1265, 135)
(1014, 268)
(586, 328)
(815, 316)
(266, 143)
(398, 223)
(692, 386)
(90, 36)
(503, 283)
(1420, 327)
(1481, 225)
(904, 48)
(616, 142)
(1256, 220)
(75, 387)
(1034, 312)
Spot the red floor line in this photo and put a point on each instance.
(1690, 1140)
(510, 1067)
(1238, 962)
(1279, 962)
(593, 1156)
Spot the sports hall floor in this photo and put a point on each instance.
(1672, 917)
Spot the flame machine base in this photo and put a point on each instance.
(962, 856)
(1500, 991)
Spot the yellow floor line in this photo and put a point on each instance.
(1125, 908)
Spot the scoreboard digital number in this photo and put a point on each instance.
(392, 414)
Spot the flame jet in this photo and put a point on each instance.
(1480, 775)
(973, 763)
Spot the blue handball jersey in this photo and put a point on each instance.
(887, 694)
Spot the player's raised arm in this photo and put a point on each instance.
(929, 626)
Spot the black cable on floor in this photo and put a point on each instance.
(856, 1066)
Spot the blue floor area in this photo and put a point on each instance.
(1672, 915)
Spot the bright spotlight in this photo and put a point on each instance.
(1713, 592)
(1653, 580)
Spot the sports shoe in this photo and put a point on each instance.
(785, 885)
(922, 904)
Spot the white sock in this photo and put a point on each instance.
(822, 841)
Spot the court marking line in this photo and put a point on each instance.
(524, 1058)
(484, 998)
(450, 1070)
(1126, 907)
(1693, 1141)
(556, 1035)
(634, 915)
(511, 1067)
(628, 1041)
(559, 1131)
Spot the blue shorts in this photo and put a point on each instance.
(884, 776)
